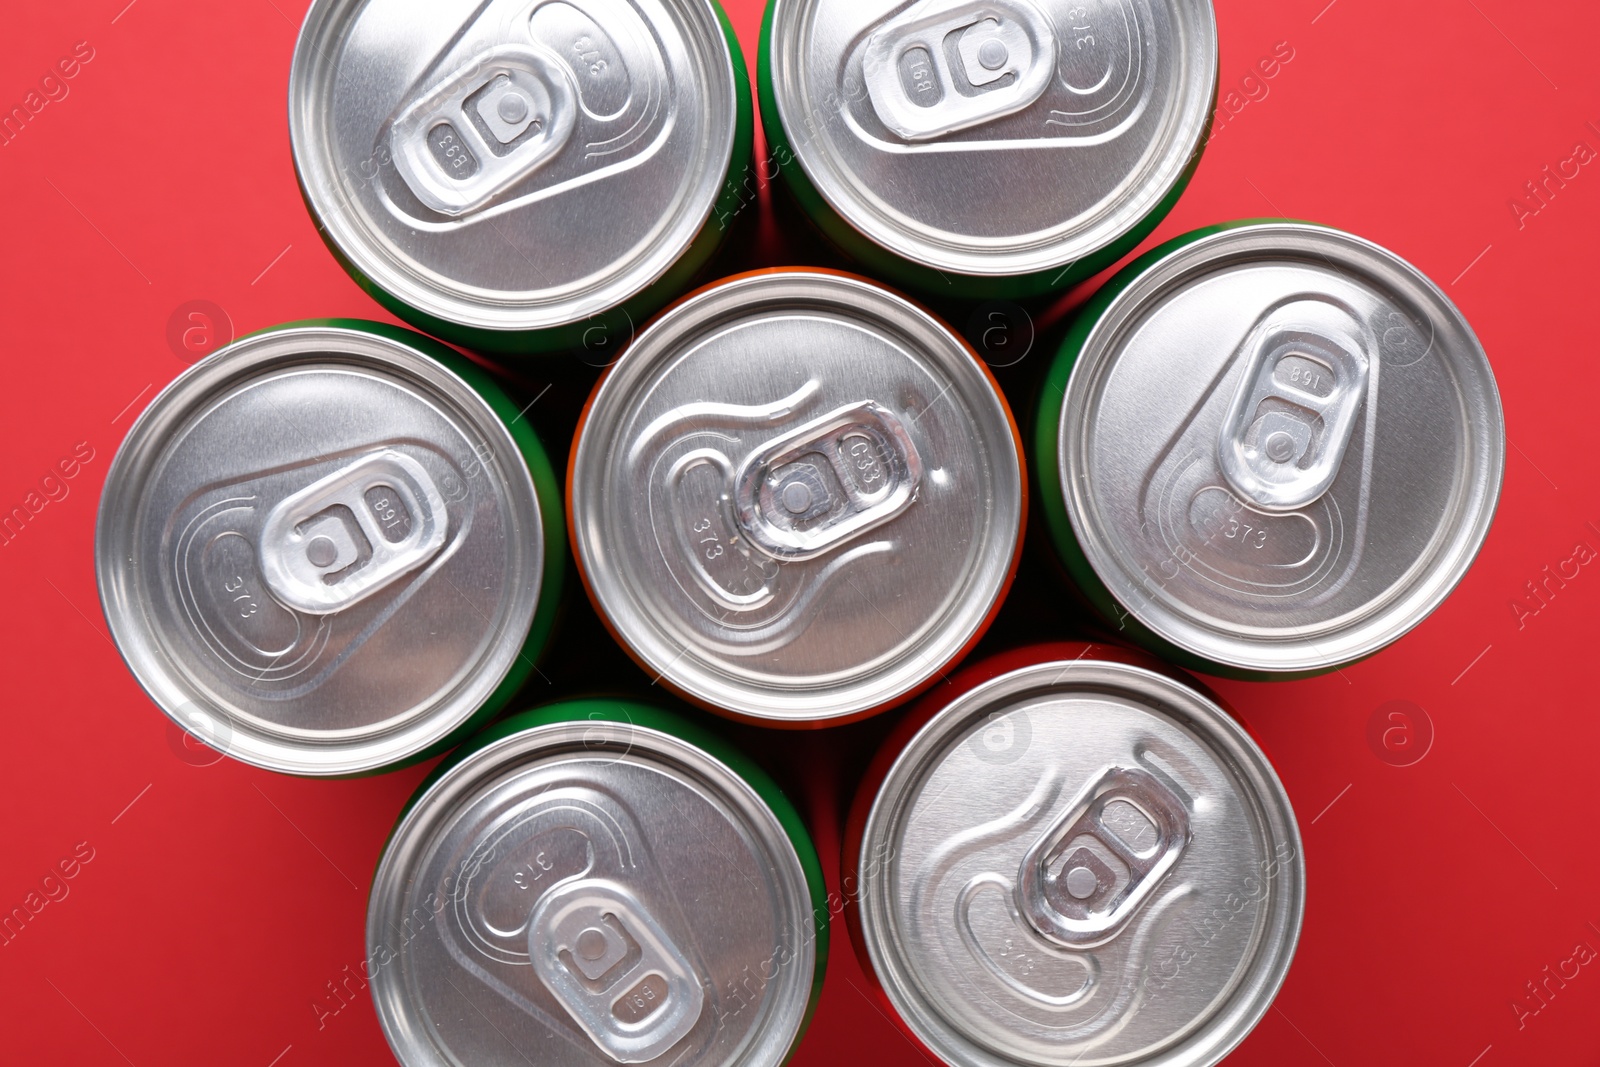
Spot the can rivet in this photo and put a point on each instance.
(1280, 447)
(993, 54)
(797, 497)
(592, 944)
(321, 552)
(1081, 883)
(513, 107)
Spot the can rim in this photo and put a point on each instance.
(190, 395)
(1061, 246)
(379, 261)
(1220, 732)
(775, 711)
(452, 788)
(1340, 641)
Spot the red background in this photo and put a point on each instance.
(219, 904)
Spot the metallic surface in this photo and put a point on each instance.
(1081, 862)
(591, 893)
(273, 582)
(1455, 110)
(1281, 447)
(993, 138)
(512, 164)
(796, 496)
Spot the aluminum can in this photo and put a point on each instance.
(1269, 449)
(1072, 855)
(1001, 148)
(330, 548)
(796, 498)
(595, 883)
(519, 175)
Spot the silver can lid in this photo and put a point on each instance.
(319, 550)
(591, 893)
(1081, 862)
(1281, 447)
(512, 164)
(993, 137)
(797, 497)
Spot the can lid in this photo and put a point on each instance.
(507, 165)
(597, 892)
(1081, 862)
(320, 550)
(1280, 447)
(991, 138)
(797, 496)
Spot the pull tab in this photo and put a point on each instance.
(346, 536)
(609, 963)
(945, 65)
(818, 486)
(1097, 864)
(484, 127)
(1289, 424)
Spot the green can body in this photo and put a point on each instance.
(586, 738)
(1216, 470)
(331, 548)
(1047, 470)
(802, 148)
(393, 265)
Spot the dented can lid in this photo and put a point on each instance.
(513, 165)
(584, 886)
(797, 497)
(1080, 861)
(992, 138)
(1279, 449)
(321, 551)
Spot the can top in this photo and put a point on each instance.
(512, 165)
(990, 138)
(597, 892)
(320, 550)
(1081, 862)
(1280, 447)
(797, 496)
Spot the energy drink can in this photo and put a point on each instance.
(330, 548)
(797, 498)
(595, 883)
(1072, 856)
(987, 149)
(1269, 449)
(505, 174)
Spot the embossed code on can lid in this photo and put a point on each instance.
(993, 138)
(514, 164)
(321, 545)
(591, 893)
(797, 496)
(1281, 447)
(1081, 862)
